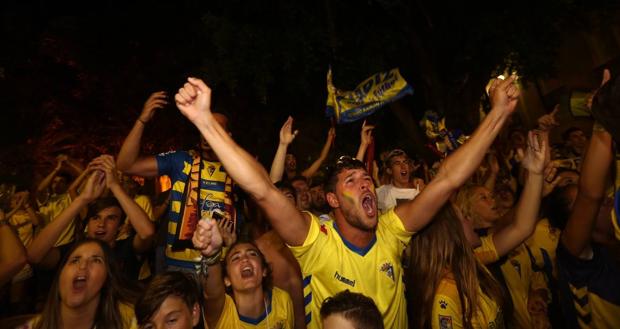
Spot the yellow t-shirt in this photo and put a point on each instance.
(278, 315)
(543, 244)
(51, 209)
(486, 252)
(22, 224)
(448, 312)
(331, 264)
(520, 280)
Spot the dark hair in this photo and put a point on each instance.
(103, 203)
(298, 178)
(283, 185)
(355, 307)
(557, 206)
(267, 280)
(175, 283)
(112, 294)
(567, 132)
(344, 162)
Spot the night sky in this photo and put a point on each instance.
(73, 79)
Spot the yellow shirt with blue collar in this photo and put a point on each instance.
(278, 313)
(331, 264)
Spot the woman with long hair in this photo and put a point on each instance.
(452, 287)
(253, 302)
(86, 293)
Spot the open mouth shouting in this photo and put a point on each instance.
(369, 204)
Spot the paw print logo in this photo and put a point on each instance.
(443, 304)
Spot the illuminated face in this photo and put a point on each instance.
(484, 207)
(400, 170)
(174, 314)
(337, 321)
(290, 162)
(303, 194)
(355, 197)
(104, 225)
(244, 268)
(82, 276)
(317, 197)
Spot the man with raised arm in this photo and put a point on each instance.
(359, 250)
(200, 185)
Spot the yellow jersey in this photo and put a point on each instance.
(542, 245)
(330, 264)
(278, 313)
(126, 310)
(448, 312)
(51, 209)
(486, 252)
(520, 279)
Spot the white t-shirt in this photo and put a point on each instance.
(388, 196)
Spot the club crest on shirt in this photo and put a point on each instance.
(388, 269)
(443, 304)
(323, 229)
(445, 322)
(211, 170)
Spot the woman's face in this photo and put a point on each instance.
(244, 267)
(484, 207)
(83, 276)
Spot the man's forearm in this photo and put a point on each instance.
(277, 166)
(131, 147)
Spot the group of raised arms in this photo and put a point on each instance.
(508, 230)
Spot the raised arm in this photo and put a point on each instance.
(39, 249)
(194, 101)
(526, 215)
(577, 235)
(75, 185)
(139, 220)
(286, 138)
(12, 252)
(462, 163)
(42, 193)
(208, 240)
(365, 140)
(129, 160)
(316, 165)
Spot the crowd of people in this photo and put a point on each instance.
(505, 231)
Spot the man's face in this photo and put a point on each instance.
(290, 162)
(355, 197)
(399, 169)
(317, 196)
(303, 194)
(105, 224)
(59, 185)
(577, 140)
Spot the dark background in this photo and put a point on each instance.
(74, 76)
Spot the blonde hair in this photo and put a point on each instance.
(441, 249)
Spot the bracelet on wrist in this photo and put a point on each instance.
(142, 121)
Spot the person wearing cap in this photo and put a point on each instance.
(401, 187)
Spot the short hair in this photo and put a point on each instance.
(298, 178)
(103, 203)
(567, 132)
(393, 153)
(179, 284)
(343, 163)
(355, 307)
(283, 185)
